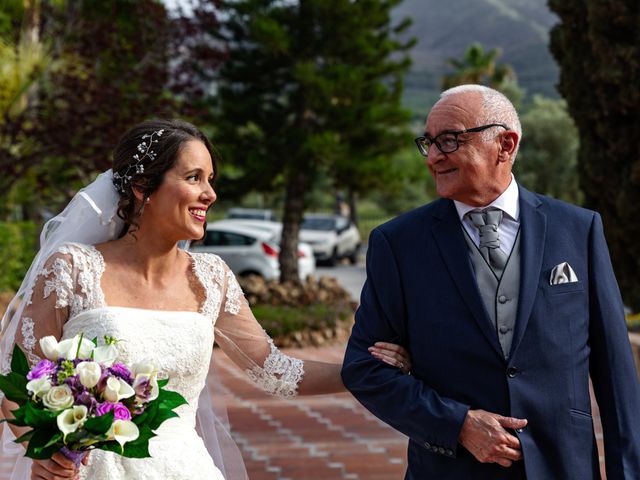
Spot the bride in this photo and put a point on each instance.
(109, 265)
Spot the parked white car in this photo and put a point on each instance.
(306, 258)
(332, 237)
(246, 250)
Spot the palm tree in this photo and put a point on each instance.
(478, 66)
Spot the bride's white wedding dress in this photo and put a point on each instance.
(68, 299)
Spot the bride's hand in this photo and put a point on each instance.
(57, 467)
(393, 354)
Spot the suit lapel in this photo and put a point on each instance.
(448, 234)
(533, 225)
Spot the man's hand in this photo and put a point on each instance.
(484, 435)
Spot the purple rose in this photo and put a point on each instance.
(120, 412)
(121, 370)
(43, 368)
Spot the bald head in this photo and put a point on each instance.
(474, 127)
(494, 107)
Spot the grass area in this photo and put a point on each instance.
(633, 322)
(283, 320)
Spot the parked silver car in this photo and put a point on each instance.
(306, 258)
(332, 237)
(246, 250)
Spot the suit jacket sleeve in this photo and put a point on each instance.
(611, 363)
(403, 401)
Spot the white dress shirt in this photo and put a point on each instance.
(508, 228)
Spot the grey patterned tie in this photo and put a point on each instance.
(487, 222)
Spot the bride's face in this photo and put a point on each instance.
(179, 206)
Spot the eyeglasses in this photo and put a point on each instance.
(447, 142)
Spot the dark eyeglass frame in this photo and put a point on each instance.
(424, 142)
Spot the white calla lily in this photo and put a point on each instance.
(39, 386)
(124, 431)
(105, 355)
(67, 349)
(71, 419)
(89, 373)
(116, 389)
(146, 367)
(49, 346)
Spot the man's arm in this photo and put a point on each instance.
(400, 400)
(613, 372)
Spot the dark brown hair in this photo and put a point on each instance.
(176, 133)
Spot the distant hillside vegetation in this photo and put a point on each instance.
(445, 28)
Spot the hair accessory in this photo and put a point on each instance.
(122, 180)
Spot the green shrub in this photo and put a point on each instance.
(18, 241)
(280, 320)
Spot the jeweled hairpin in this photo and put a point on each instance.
(123, 180)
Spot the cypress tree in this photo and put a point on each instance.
(597, 44)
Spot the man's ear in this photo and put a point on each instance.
(508, 144)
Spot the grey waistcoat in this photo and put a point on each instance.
(500, 296)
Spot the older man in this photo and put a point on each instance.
(508, 302)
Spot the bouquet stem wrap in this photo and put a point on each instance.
(76, 456)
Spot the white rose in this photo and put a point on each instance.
(71, 419)
(58, 398)
(117, 389)
(105, 355)
(123, 431)
(39, 386)
(89, 373)
(49, 346)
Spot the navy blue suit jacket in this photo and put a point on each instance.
(421, 293)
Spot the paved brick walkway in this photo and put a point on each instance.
(327, 437)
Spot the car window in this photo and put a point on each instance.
(319, 223)
(219, 238)
(235, 239)
(341, 223)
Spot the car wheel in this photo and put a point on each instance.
(353, 258)
(333, 259)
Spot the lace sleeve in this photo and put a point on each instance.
(44, 310)
(242, 338)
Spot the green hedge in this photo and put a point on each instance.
(18, 241)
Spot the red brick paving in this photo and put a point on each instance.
(328, 437)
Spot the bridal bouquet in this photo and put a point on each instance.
(80, 398)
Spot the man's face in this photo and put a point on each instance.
(474, 174)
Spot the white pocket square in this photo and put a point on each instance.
(562, 273)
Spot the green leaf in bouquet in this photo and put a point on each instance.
(23, 438)
(40, 446)
(18, 417)
(162, 415)
(149, 413)
(170, 399)
(38, 417)
(14, 387)
(163, 383)
(57, 438)
(139, 448)
(19, 362)
(99, 425)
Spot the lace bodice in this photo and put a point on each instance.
(68, 288)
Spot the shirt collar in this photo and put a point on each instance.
(508, 202)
